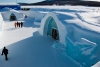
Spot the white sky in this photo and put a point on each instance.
(22, 1)
(92, 0)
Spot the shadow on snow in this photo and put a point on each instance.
(35, 51)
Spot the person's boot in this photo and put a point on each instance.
(6, 59)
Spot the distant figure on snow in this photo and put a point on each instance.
(25, 16)
(15, 24)
(21, 24)
(5, 52)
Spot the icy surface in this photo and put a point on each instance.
(27, 48)
(79, 43)
(82, 37)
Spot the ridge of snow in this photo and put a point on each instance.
(88, 41)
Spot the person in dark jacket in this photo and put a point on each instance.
(5, 52)
(21, 24)
(17, 24)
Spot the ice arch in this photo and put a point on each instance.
(51, 21)
(12, 17)
(16, 15)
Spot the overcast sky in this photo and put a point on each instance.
(30, 1)
(92, 0)
(14, 1)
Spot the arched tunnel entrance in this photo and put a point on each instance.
(12, 17)
(51, 29)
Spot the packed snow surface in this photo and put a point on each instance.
(83, 30)
(28, 48)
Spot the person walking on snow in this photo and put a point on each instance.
(15, 24)
(5, 52)
(21, 24)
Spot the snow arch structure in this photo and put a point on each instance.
(12, 17)
(50, 21)
(7, 15)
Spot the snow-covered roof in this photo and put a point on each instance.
(12, 10)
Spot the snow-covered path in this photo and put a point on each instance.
(27, 48)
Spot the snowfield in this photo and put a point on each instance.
(79, 44)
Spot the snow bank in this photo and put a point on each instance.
(91, 18)
(61, 28)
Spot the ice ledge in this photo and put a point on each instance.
(97, 64)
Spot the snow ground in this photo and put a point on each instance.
(27, 48)
(80, 22)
